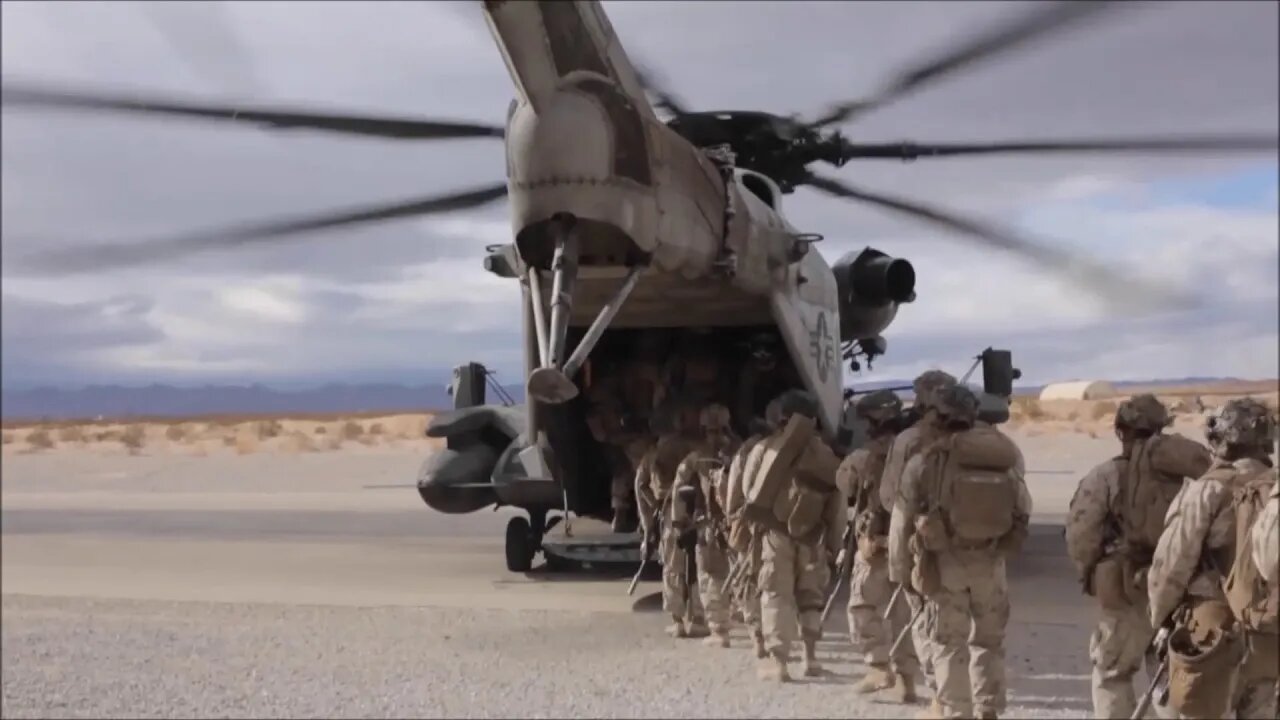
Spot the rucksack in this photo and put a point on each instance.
(1153, 475)
(1253, 603)
(977, 493)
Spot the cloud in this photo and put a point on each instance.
(403, 299)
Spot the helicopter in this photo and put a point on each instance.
(648, 248)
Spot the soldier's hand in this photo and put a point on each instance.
(840, 557)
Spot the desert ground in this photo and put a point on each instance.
(271, 567)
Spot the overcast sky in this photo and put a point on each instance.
(404, 301)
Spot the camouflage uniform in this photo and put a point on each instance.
(654, 479)
(971, 597)
(747, 546)
(1195, 549)
(795, 571)
(905, 446)
(1094, 532)
(1265, 538)
(869, 589)
(702, 474)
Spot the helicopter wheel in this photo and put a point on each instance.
(520, 545)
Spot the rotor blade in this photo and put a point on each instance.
(386, 127)
(95, 257)
(1190, 143)
(1038, 23)
(665, 99)
(1128, 291)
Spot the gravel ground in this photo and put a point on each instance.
(95, 658)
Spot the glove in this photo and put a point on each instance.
(840, 557)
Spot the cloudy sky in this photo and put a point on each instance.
(404, 301)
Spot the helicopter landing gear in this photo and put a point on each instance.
(551, 383)
(524, 539)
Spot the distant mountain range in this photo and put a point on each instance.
(168, 401)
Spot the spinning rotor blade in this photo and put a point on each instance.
(1038, 23)
(912, 151)
(1125, 290)
(386, 127)
(665, 100)
(120, 254)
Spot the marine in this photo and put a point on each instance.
(745, 537)
(870, 591)
(962, 508)
(1224, 646)
(802, 518)
(655, 500)
(701, 475)
(1113, 524)
(905, 446)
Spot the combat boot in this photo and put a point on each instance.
(876, 679)
(933, 712)
(774, 667)
(812, 668)
(905, 689)
(697, 629)
(676, 629)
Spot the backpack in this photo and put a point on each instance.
(1152, 477)
(1252, 602)
(977, 492)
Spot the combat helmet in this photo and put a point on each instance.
(1143, 413)
(796, 402)
(956, 404)
(1241, 423)
(928, 384)
(879, 407)
(714, 417)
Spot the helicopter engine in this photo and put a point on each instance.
(871, 286)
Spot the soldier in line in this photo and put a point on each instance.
(744, 536)
(870, 590)
(701, 474)
(795, 552)
(905, 446)
(1203, 583)
(1113, 524)
(962, 508)
(656, 501)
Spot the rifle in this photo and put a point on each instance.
(842, 574)
(903, 635)
(646, 551)
(1161, 642)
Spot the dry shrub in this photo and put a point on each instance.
(8, 438)
(230, 439)
(134, 438)
(332, 443)
(175, 433)
(1073, 416)
(351, 430)
(108, 436)
(1029, 408)
(246, 444)
(1104, 409)
(71, 434)
(267, 429)
(322, 430)
(299, 442)
(39, 439)
(376, 429)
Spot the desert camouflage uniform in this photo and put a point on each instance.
(748, 552)
(1195, 549)
(869, 589)
(905, 446)
(971, 605)
(702, 472)
(1094, 531)
(795, 571)
(654, 479)
(1265, 538)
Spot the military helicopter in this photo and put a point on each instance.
(649, 241)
